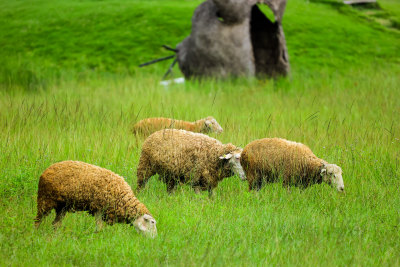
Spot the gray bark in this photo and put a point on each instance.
(234, 38)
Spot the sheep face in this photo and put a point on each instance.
(332, 174)
(212, 126)
(146, 225)
(234, 163)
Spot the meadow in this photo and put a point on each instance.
(70, 88)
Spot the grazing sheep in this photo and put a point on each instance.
(187, 157)
(78, 186)
(267, 159)
(151, 125)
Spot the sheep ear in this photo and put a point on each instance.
(323, 170)
(226, 156)
(207, 122)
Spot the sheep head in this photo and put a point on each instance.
(332, 174)
(146, 225)
(212, 126)
(233, 157)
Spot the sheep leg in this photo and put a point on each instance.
(197, 186)
(136, 139)
(171, 185)
(259, 184)
(250, 181)
(44, 208)
(253, 181)
(288, 189)
(208, 182)
(210, 192)
(197, 189)
(143, 174)
(40, 216)
(99, 221)
(60, 214)
(286, 185)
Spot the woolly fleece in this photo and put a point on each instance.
(150, 125)
(265, 160)
(78, 186)
(187, 157)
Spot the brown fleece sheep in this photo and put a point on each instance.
(150, 125)
(78, 186)
(265, 160)
(187, 157)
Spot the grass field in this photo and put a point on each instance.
(66, 94)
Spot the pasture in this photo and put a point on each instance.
(66, 94)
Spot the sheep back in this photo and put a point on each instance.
(151, 125)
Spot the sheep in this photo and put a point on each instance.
(150, 125)
(265, 160)
(79, 186)
(187, 157)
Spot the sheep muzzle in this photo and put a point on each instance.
(146, 225)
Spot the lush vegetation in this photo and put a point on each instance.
(70, 89)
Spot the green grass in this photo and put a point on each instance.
(353, 123)
(392, 6)
(79, 104)
(41, 41)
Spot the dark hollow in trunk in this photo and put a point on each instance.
(269, 46)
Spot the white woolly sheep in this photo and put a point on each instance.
(150, 125)
(268, 159)
(78, 186)
(187, 157)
